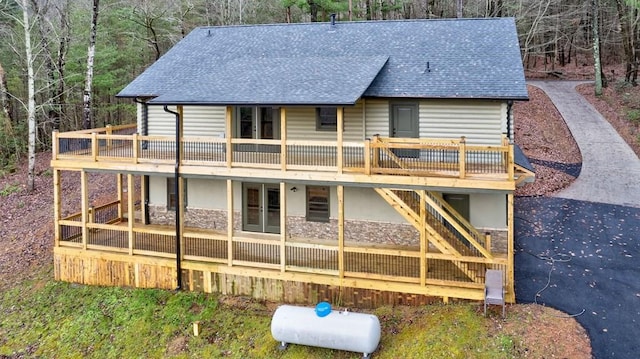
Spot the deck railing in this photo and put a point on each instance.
(401, 264)
(386, 156)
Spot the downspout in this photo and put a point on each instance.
(176, 189)
(144, 129)
(509, 114)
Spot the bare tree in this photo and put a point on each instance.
(31, 102)
(628, 31)
(87, 114)
(7, 111)
(595, 4)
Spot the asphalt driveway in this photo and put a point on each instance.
(579, 252)
(589, 254)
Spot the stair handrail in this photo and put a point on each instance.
(466, 229)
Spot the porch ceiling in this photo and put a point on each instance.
(280, 81)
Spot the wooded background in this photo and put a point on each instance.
(49, 41)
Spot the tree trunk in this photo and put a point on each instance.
(459, 7)
(31, 106)
(313, 10)
(65, 37)
(627, 32)
(595, 4)
(5, 102)
(87, 115)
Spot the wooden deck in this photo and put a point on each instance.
(377, 159)
(375, 267)
(101, 246)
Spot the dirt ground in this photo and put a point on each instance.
(26, 228)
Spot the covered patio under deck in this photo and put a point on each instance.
(100, 245)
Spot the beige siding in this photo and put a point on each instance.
(482, 122)
(301, 124)
(377, 117)
(198, 121)
(488, 210)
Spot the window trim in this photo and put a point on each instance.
(325, 217)
(320, 126)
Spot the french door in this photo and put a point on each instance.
(261, 207)
(261, 123)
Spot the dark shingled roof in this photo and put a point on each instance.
(324, 64)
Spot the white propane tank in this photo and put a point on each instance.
(323, 327)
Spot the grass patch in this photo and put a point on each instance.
(47, 319)
(9, 189)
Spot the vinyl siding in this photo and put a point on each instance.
(301, 124)
(377, 118)
(198, 121)
(482, 122)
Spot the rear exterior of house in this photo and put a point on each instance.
(362, 163)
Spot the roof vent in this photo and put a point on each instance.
(333, 19)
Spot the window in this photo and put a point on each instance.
(317, 203)
(326, 118)
(172, 200)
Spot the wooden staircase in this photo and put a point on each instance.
(445, 228)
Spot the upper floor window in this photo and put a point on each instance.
(326, 118)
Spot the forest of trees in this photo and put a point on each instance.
(50, 76)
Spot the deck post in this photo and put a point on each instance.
(135, 138)
(130, 209)
(55, 145)
(120, 196)
(340, 190)
(181, 203)
(94, 146)
(423, 238)
(109, 132)
(376, 151)
(283, 138)
(340, 133)
(510, 162)
(487, 241)
(143, 199)
(510, 297)
(84, 199)
(56, 205)
(229, 134)
(230, 221)
(283, 225)
(462, 157)
(367, 157)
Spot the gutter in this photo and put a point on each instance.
(144, 128)
(176, 188)
(509, 117)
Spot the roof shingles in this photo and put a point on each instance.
(317, 63)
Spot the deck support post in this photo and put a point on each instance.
(423, 238)
(228, 130)
(340, 190)
(130, 209)
(462, 157)
(283, 226)
(340, 133)
(120, 196)
(56, 207)
(510, 296)
(144, 199)
(84, 198)
(230, 221)
(283, 139)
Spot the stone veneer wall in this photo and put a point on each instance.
(299, 227)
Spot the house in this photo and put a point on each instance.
(357, 162)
